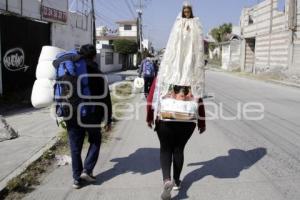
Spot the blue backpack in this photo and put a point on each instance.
(69, 66)
(148, 69)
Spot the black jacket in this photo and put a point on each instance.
(96, 86)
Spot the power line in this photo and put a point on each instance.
(130, 8)
(102, 16)
(112, 9)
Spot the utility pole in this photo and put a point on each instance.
(94, 23)
(140, 24)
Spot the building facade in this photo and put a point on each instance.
(128, 28)
(270, 32)
(27, 26)
(110, 60)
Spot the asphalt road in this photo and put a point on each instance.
(236, 159)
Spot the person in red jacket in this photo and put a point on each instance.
(173, 137)
(180, 81)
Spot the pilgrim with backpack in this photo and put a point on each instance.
(148, 72)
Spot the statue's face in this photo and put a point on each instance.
(187, 12)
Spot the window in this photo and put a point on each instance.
(250, 21)
(109, 58)
(127, 27)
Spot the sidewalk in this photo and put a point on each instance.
(37, 132)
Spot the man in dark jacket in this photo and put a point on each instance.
(99, 110)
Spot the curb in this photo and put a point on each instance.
(289, 84)
(283, 83)
(27, 163)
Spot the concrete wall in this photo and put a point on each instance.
(231, 54)
(32, 8)
(108, 68)
(271, 34)
(295, 49)
(225, 56)
(76, 32)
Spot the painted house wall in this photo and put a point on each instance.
(128, 33)
(271, 34)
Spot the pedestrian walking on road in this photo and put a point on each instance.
(179, 85)
(147, 70)
(88, 109)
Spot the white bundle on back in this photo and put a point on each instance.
(45, 70)
(42, 92)
(49, 53)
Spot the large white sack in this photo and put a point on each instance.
(49, 53)
(42, 93)
(45, 70)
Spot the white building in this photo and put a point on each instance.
(107, 58)
(128, 28)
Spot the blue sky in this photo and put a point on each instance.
(159, 15)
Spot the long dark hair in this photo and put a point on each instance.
(191, 9)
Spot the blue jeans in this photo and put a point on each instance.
(76, 139)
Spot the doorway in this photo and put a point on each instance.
(250, 55)
(21, 43)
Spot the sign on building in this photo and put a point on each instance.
(51, 14)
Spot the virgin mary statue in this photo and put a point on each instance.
(183, 63)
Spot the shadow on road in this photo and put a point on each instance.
(143, 161)
(221, 167)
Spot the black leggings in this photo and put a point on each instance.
(148, 83)
(173, 137)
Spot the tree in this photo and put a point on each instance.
(220, 33)
(126, 48)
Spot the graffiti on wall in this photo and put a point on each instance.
(14, 60)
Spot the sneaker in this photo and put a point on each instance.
(88, 177)
(77, 184)
(177, 185)
(166, 194)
